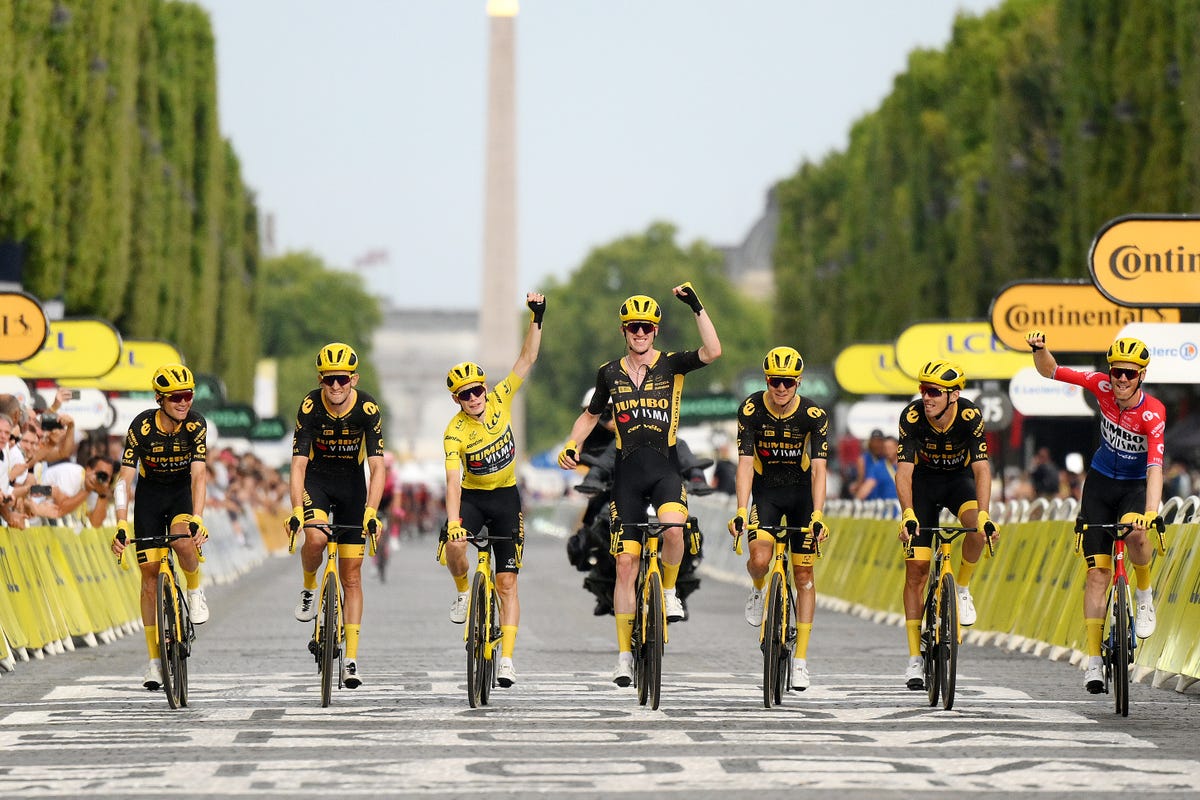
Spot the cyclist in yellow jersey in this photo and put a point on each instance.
(943, 464)
(783, 448)
(166, 448)
(646, 387)
(337, 428)
(481, 482)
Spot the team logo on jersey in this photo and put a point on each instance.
(969, 414)
(128, 454)
(815, 412)
(495, 457)
(912, 415)
(146, 427)
(371, 408)
(748, 407)
(191, 426)
(306, 407)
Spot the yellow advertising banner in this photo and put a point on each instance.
(23, 327)
(134, 371)
(75, 348)
(867, 369)
(1148, 260)
(1074, 315)
(971, 345)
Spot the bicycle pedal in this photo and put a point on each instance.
(312, 646)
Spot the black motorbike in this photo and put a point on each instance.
(588, 547)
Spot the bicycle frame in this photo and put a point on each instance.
(329, 626)
(482, 634)
(941, 632)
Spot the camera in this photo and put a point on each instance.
(50, 422)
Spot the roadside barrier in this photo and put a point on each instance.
(61, 587)
(1029, 596)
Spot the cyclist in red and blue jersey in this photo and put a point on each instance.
(1124, 482)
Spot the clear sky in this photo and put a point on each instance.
(360, 123)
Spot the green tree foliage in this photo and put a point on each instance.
(995, 159)
(308, 306)
(582, 330)
(115, 179)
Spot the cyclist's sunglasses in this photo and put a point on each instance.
(335, 380)
(180, 397)
(777, 383)
(639, 327)
(932, 391)
(467, 394)
(1123, 372)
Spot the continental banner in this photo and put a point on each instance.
(1148, 260)
(1074, 315)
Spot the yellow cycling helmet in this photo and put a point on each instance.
(173, 378)
(464, 374)
(337, 357)
(783, 362)
(946, 374)
(640, 308)
(1131, 350)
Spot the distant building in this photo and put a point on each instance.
(750, 265)
(413, 349)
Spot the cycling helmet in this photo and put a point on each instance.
(946, 374)
(337, 357)
(640, 308)
(783, 362)
(464, 374)
(173, 378)
(1131, 350)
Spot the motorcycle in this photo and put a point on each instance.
(588, 547)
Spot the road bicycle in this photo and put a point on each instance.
(777, 634)
(650, 621)
(175, 630)
(940, 631)
(329, 628)
(482, 635)
(1120, 638)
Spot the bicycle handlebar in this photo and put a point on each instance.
(162, 540)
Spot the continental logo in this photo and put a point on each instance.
(1142, 260)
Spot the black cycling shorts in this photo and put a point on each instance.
(158, 505)
(646, 477)
(500, 510)
(934, 490)
(342, 498)
(772, 504)
(1105, 500)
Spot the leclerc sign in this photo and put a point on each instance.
(1174, 351)
(1075, 317)
(1148, 260)
(971, 345)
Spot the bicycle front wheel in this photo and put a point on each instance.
(929, 645)
(655, 623)
(948, 640)
(328, 640)
(1122, 650)
(772, 644)
(180, 650)
(164, 604)
(491, 643)
(477, 635)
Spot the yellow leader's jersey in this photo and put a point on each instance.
(484, 450)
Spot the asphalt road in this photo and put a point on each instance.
(80, 725)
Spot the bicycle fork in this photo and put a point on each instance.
(652, 568)
(490, 625)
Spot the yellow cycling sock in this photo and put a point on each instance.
(913, 628)
(670, 573)
(310, 580)
(152, 641)
(461, 583)
(759, 583)
(352, 640)
(1142, 571)
(192, 579)
(508, 640)
(624, 633)
(1095, 632)
(965, 570)
(803, 632)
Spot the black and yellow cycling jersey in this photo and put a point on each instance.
(953, 447)
(646, 415)
(337, 444)
(784, 445)
(163, 457)
(484, 450)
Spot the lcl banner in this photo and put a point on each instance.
(970, 344)
(1148, 260)
(1074, 315)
